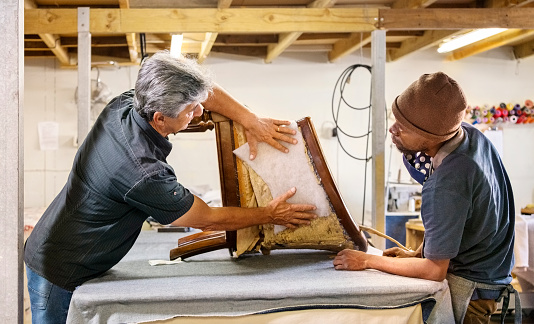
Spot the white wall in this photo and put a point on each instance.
(289, 88)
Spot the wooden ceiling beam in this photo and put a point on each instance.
(524, 50)
(286, 39)
(356, 41)
(244, 51)
(417, 19)
(245, 20)
(344, 47)
(131, 38)
(206, 46)
(51, 40)
(507, 3)
(411, 4)
(211, 37)
(223, 4)
(429, 39)
(245, 40)
(489, 43)
(96, 41)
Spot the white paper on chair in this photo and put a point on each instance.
(282, 171)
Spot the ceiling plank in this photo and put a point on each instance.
(131, 38)
(286, 39)
(507, 3)
(411, 4)
(469, 18)
(489, 43)
(344, 47)
(246, 40)
(524, 50)
(110, 41)
(429, 39)
(211, 37)
(245, 51)
(206, 46)
(51, 40)
(223, 4)
(243, 20)
(356, 40)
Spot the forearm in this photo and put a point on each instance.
(409, 267)
(278, 212)
(232, 218)
(223, 103)
(203, 217)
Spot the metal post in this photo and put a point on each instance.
(12, 162)
(378, 58)
(84, 74)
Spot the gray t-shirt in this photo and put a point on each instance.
(119, 177)
(468, 212)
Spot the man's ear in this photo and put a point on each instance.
(158, 118)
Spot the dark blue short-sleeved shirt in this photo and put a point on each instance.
(468, 212)
(119, 177)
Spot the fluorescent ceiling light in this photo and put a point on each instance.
(468, 38)
(176, 45)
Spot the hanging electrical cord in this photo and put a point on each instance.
(142, 41)
(340, 85)
(342, 81)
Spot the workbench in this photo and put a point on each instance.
(215, 287)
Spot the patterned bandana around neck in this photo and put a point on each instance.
(421, 162)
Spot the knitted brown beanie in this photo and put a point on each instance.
(433, 107)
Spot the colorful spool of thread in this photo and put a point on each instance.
(503, 113)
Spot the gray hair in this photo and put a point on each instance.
(168, 84)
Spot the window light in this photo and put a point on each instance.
(176, 44)
(468, 38)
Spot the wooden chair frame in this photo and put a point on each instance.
(224, 131)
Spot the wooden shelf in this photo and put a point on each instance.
(415, 233)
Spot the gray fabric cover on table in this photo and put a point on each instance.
(214, 284)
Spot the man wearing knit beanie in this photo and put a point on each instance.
(467, 202)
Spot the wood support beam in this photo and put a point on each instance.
(489, 43)
(411, 4)
(507, 3)
(247, 20)
(223, 4)
(52, 41)
(454, 19)
(206, 46)
(344, 47)
(429, 39)
(246, 40)
(524, 50)
(54, 44)
(131, 38)
(210, 38)
(286, 39)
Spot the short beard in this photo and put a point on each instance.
(406, 151)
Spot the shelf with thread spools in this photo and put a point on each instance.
(502, 114)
